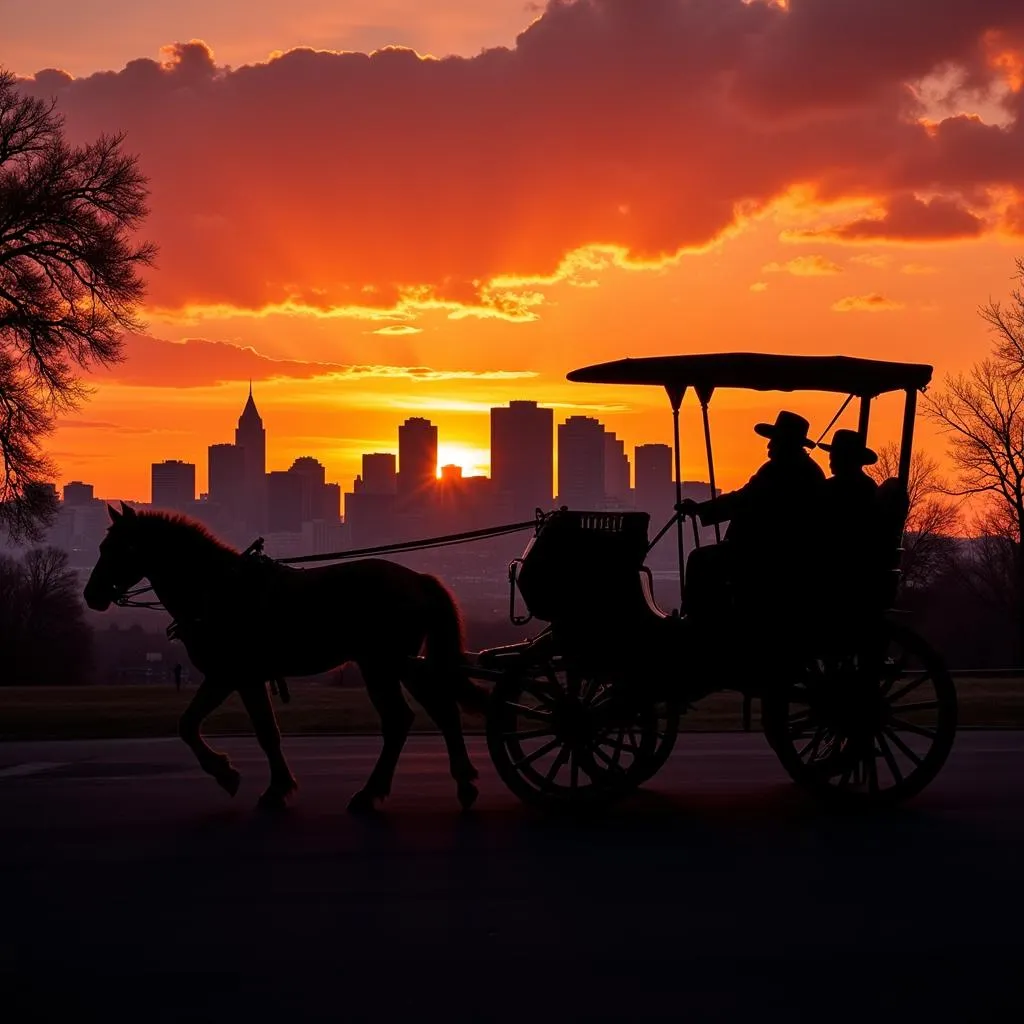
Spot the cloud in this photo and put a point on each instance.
(320, 182)
(196, 362)
(879, 261)
(873, 303)
(805, 266)
(759, 286)
(907, 218)
(397, 330)
(918, 269)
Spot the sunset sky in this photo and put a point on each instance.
(383, 208)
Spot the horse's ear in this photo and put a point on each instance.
(113, 513)
(128, 511)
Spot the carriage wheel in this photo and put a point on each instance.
(559, 739)
(870, 728)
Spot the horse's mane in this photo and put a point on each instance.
(181, 533)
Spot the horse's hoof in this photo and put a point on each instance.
(229, 780)
(275, 796)
(467, 795)
(364, 802)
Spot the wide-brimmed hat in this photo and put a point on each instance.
(788, 426)
(848, 444)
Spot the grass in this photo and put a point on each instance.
(105, 712)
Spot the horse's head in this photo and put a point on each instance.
(120, 563)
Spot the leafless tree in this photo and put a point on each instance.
(983, 413)
(929, 543)
(70, 283)
(44, 638)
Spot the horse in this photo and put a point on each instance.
(245, 619)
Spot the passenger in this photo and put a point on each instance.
(768, 519)
(849, 525)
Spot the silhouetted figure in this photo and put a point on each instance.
(768, 516)
(177, 677)
(245, 620)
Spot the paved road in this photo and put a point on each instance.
(131, 882)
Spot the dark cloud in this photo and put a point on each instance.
(346, 179)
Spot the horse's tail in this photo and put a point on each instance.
(444, 645)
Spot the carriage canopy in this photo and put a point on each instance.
(865, 378)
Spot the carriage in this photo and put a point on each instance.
(856, 706)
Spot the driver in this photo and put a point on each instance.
(766, 533)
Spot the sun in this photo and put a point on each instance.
(474, 461)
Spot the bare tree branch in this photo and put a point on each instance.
(70, 283)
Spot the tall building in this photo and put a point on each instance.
(417, 461)
(581, 463)
(522, 458)
(226, 476)
(251, 437)
(380, 475)
(173, 484)
(77, 493)
(654, 489)
(616, 472)
(313, 482)
(284, 502)
(332, 503)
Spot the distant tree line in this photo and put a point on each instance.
(44, 638)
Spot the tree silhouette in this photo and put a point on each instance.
(983, 412)
(69, 283)
(929, 544)
(44, 638)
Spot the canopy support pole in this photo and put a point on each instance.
(704, 394)
(865, 417)
(907, 440)
(676, 398)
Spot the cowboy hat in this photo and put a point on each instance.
(847, 443)
(788, 426)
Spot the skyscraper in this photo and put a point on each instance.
(77, 493)
(417, 461)
(379, 473)
(616, 472)
(522, 458)
(654, 489)
(581, 462)
(226, 475)
(173, 484)
(251, 437)
(313, 479)
(284, 502)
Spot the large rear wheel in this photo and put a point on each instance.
(873, 727)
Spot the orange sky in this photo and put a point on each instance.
(370, 236)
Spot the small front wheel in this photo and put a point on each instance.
(559, 739)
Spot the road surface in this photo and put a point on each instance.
(133, 885)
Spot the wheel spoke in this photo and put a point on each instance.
(612, 764)
(557, 764)
(527, 712)
(813, 744)
(872, 764)
(921, 705)
(918, 730)
(528, 734)
(904, 690)
(890, 759)
(534, 754)
(907, 751)
(574, 772)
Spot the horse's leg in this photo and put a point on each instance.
(385, 691)
(431, 694)
(208, 697)
(264, 723)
